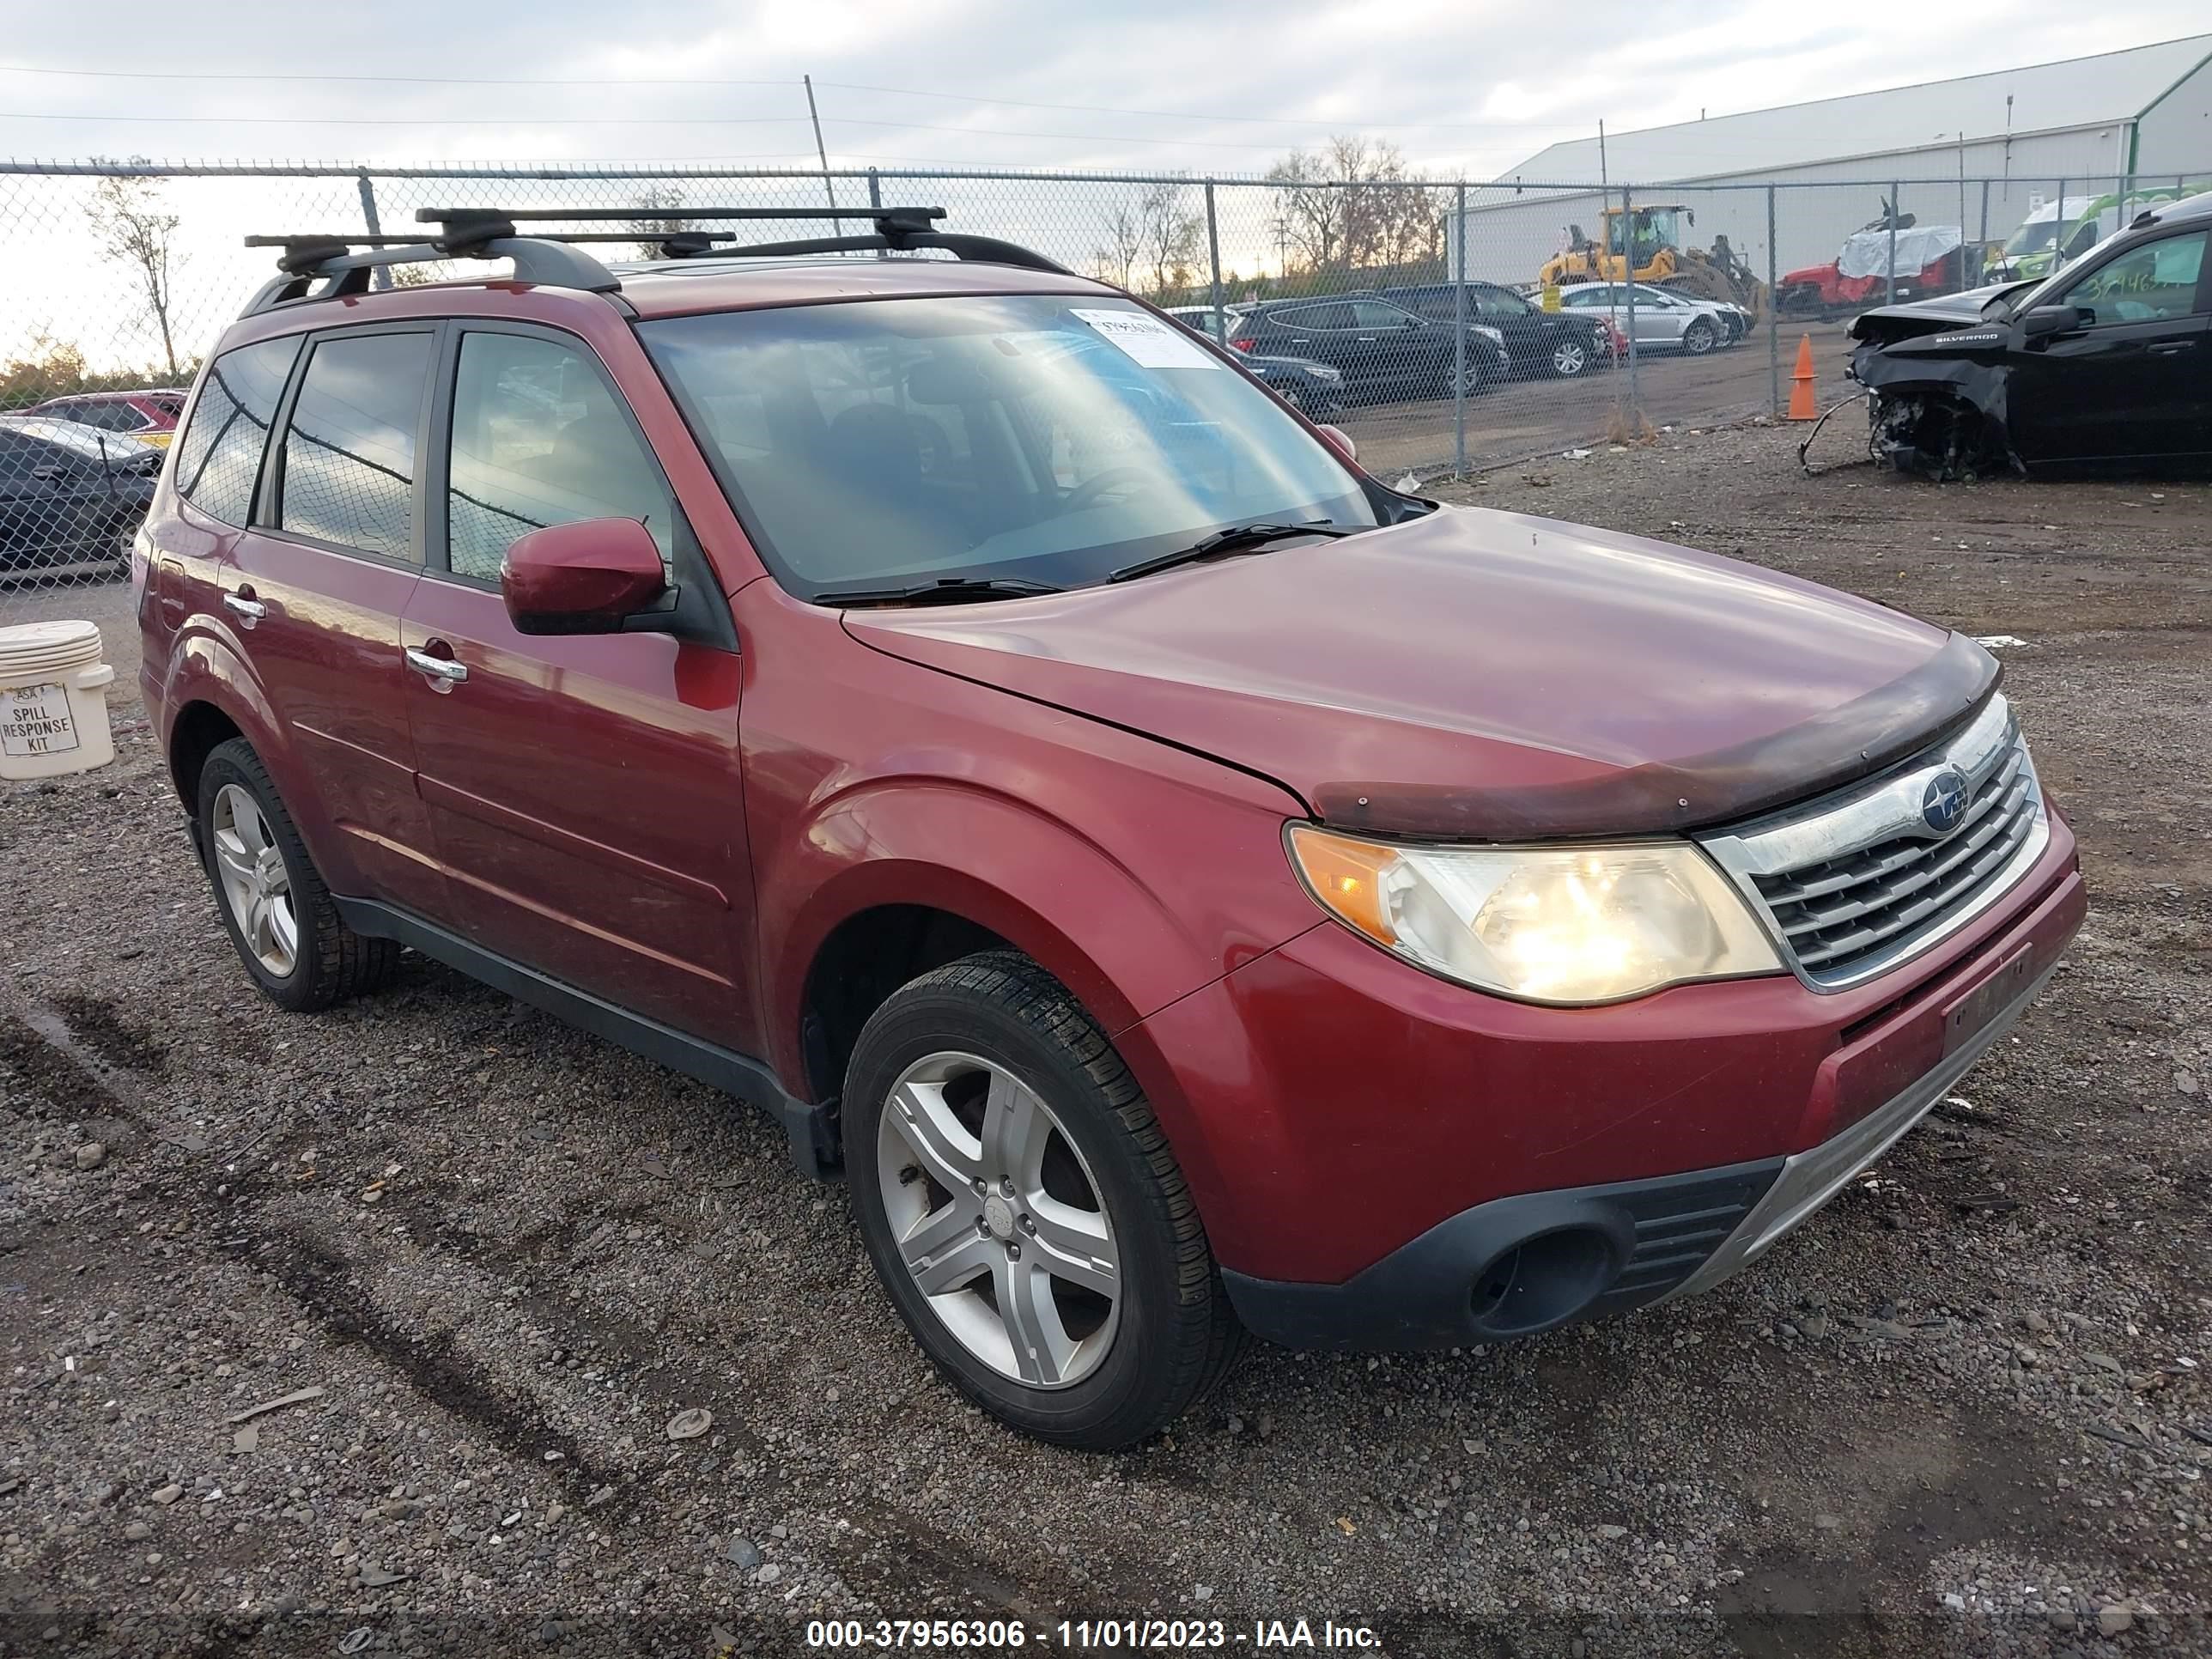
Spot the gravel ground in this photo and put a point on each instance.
(1963, 1411)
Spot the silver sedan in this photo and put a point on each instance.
(1664, 321)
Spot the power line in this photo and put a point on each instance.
(844, 86)
(1186, 115)
(425, 121)
(380, 80)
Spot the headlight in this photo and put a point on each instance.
(1495, 336)
(1545, 924)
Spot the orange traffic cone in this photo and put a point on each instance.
(1801, 382)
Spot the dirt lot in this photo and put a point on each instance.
(1964, 1410)
(1540, 417)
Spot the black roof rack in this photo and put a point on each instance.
(344, 262)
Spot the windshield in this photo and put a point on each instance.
(1042, 438)
(2032, 237)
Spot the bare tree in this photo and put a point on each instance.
(130, 225)
(655, 231)
(1354, 205)
(1115, 261)
(1169, 234)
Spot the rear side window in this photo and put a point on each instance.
(349, 450)
(219, 457)
(539, 439)
(108, 416)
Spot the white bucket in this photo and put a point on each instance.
(53, 700)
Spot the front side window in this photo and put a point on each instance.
(349, 450)
(219, 457)
(1495, 302)
(2146, 284)
(1373, 316)
(539, 439)
(1335, 315)
(1050, 438)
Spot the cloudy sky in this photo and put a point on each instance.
(1009, 83)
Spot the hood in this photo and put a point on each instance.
(1481, 674)
(1883, 324)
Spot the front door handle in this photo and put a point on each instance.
(248, 608)
(2169, 347)
(444, 670)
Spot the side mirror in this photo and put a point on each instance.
(1340, 442)
(590, 577)
(2044, 321)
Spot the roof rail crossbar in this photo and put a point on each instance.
(537, 260)
(343, 262)
(989, 249)
(888, 220)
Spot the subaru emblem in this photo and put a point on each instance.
(1943, 803)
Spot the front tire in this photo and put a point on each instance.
(1698, 338)
(280, 916)
(1571, 357)
(1023, 1211)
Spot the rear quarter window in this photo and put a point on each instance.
(219, 455)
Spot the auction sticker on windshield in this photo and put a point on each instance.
(1153, 343)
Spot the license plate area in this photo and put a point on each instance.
(1965, 1016)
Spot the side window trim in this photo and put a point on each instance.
(190, 417)
(436, 471)
(687, 559)
(269, 493)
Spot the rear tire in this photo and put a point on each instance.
(988, 1110)
(280, 918)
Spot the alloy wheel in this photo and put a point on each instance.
(255, 886)
(1570, 358)
(999, 1219)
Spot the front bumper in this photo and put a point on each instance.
(1386, 1160)
(1520, 1265)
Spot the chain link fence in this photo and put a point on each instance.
(1445, 326)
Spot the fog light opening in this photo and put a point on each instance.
(1541, 1282)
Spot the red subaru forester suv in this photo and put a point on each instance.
(1185, 886)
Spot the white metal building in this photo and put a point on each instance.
(2085, 127)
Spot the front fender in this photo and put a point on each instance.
(1105, 930)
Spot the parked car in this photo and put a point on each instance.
(1188, 887)
(150, 417)
(90, 443)
(1537, 342)
(1663, 321)
(2103, 363)
(1877, 264)
(62, 505)
(1384, 351)
(1302, 383)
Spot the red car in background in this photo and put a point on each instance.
(149, 415)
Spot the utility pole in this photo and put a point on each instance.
(814, 115)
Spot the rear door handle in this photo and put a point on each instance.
(444, 670)
(2169, 347)
(248, 608)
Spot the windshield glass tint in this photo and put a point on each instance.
(1051, 438)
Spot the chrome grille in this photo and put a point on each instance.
(1858, 883)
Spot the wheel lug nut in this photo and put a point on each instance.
(982, 1185)
(1007, 1187)
(1013, 1251)
(1028, 1223)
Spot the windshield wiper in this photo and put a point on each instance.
(1230, 537)
(943, 590)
